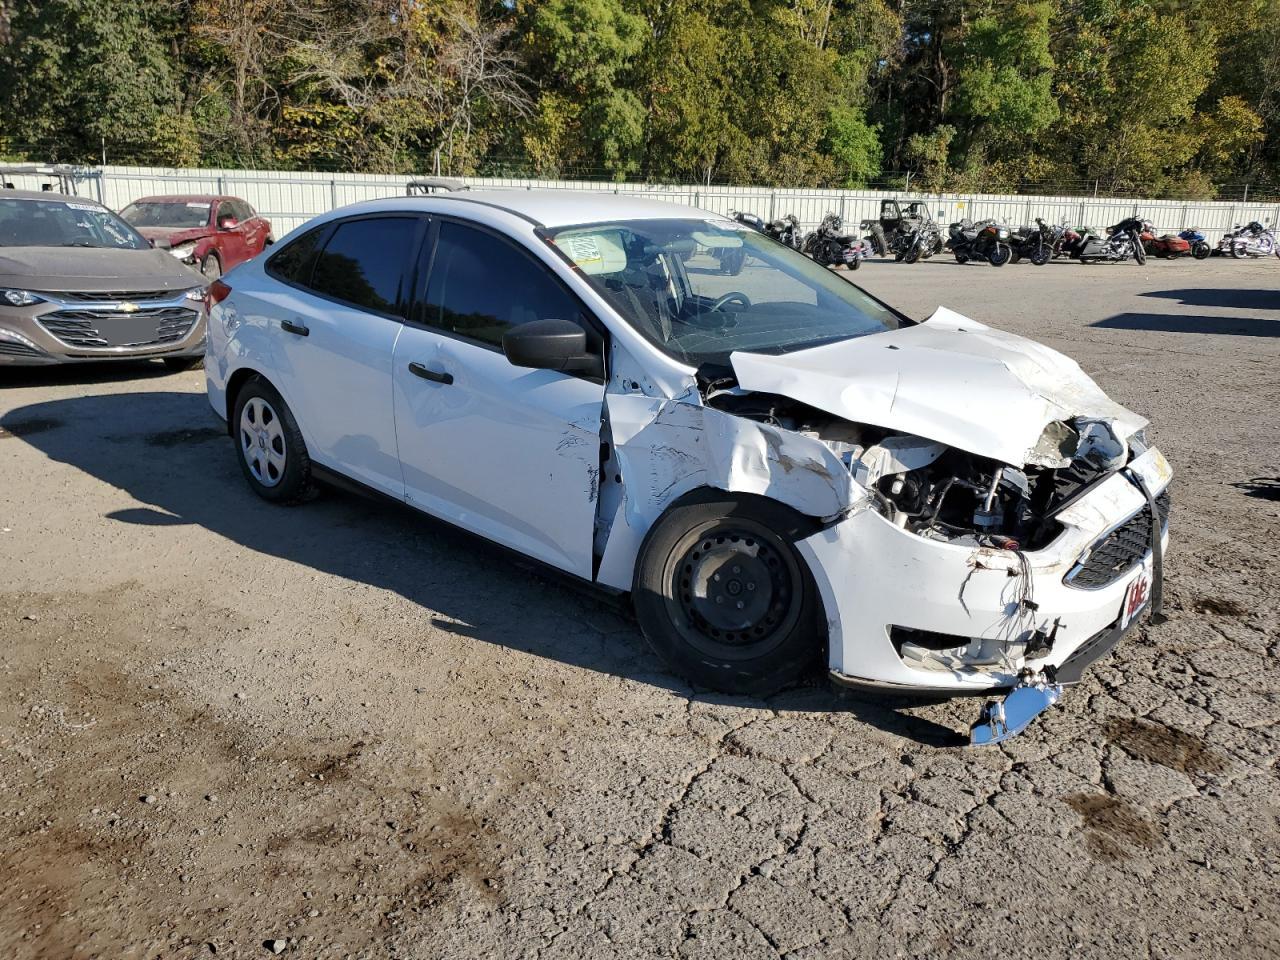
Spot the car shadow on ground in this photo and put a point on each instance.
(1234, 297)
(169, 452)
(1173, 323)
(106, 371)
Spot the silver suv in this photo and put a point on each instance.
(78, 283)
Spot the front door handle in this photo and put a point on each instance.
(418, 370)
(294, 328)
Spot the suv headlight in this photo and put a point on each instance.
(184, 251)
(20, 298)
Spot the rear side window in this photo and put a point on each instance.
(293, 262)
(363, 263)
(481, 287)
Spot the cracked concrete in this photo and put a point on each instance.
(370, 736)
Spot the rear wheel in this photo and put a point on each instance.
(1239, 251)
(878, 241)
(725, 599)
(269, 444)
(961, 258)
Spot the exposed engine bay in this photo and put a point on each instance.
(940, 492)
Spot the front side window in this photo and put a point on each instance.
(167, 213)
(64, 223)
(702, 289)
(363, 263)
(482, 286)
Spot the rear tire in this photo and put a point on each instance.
(724, 598)
(269, 445)
(878, 241)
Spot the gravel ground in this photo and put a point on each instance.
(343, 730)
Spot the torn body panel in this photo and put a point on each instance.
(662, 449)
(881, 585)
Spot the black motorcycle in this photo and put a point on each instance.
(1034, 243)
(1122, 241)
(784, 229)
(984, 240)
(916, 241)
(830, 244)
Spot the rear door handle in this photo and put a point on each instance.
(418, 370)
(296, 328)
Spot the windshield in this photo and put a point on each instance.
(170, 213)
(701, 289)
(63, 223)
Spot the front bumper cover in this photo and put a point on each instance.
(874, 576)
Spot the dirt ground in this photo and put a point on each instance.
(353, 731)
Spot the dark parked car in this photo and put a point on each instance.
(78, 283)
(211, 233)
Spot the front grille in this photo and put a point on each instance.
(112, 296)
(112, 328)
(1120, 550)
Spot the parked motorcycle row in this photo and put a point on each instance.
(910, 234)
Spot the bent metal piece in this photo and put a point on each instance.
(1002, 720)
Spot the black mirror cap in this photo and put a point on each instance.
(551, 345)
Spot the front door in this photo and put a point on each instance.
(507, 452)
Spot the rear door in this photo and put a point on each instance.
(336, 327)
(507, 452)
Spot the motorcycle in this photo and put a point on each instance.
(916, 241)
(1123, 241)
(784, 230)
(828, 244)
(1251, 240)
(1035, 243)
(1188, 243)
(984, 240)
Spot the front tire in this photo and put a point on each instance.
(1140, 255)
(724, 598)
(211, 266)
(269, 445)
(1041, 255)
(1000, 255)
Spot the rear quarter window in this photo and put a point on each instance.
(294, 261)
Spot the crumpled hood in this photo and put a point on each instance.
(93, 268)
(173, 236)
(949, 379)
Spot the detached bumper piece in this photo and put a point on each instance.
(1002, 720)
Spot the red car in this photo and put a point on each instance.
(210, 233)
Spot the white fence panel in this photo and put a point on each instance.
(290, 199)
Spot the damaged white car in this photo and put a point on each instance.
(777, 466)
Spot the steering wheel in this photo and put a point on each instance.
(732, 297)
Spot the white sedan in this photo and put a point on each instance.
(774, 464)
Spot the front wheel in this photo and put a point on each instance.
(1139, 254)
(211, 267)
(1201, 251)
(1041, 255)
(855, 263)
(269, 445)
(1000, 255)
(724, 598)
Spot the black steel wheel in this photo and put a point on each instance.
(723, 596)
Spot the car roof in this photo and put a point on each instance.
(184, 198)
(45, 195)
(562, 208)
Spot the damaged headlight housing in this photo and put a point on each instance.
(185, 252)
(20, 298)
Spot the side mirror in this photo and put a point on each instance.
(228, 222)
(551, 345)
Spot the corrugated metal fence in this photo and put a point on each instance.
(290, 199)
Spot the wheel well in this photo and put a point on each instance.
(234, 385)
(798, 527)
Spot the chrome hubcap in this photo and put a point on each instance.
(262, 442)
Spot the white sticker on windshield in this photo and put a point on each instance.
(583, 250)
(198, 206)
(83, 206)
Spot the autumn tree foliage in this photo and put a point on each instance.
(1173, 98)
